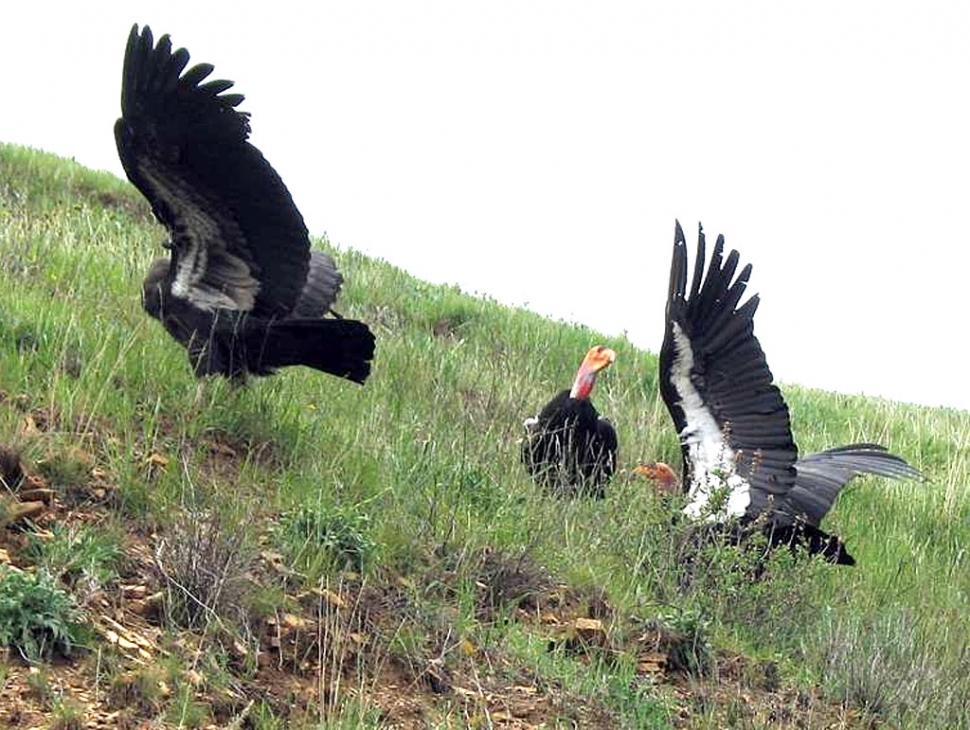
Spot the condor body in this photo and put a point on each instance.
(569, 448)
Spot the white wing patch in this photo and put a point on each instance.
(200, 246)
(711, 457)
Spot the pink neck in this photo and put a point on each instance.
(583, 385)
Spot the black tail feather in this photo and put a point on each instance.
(803, 536)
(341, 347)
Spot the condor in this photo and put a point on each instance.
(569, 448)
(241, 290)
(741, 464)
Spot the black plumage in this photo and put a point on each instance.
(569, 448)
(740, 459)
(241, 290)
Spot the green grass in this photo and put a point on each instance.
(416, 475)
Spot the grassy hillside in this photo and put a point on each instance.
(303, 552)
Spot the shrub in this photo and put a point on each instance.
(203, 560)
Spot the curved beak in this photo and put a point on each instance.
(597, 359)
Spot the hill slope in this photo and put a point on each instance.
(303, 550)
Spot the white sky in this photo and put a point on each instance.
(538, 152)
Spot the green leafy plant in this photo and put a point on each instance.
(37, 617)
(79, 555)
(315, 538)
(688, 640)
(67, 715)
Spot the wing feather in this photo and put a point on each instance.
(238, 240)
(821, 477)
(323, 285)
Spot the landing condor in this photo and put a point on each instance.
(741, 464)
(241, 290)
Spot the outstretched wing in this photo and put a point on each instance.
(734, 429)
(820, 477)
(238, 241)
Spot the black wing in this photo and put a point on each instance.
(238, 241)
(820, 477)
(732, 421)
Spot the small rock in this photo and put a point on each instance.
(586, 632)
(11, 512)
(332, 598)
(549, 618)
(134, 591)
(27, 428)
(36, 481)
(149, 607)
(653, 662)
(37, 494)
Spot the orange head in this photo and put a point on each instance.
(598, 358)
(663, 477)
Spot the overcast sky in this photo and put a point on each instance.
(538, 152)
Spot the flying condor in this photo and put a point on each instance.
(569, 448)
(740, 460)
(241, 291)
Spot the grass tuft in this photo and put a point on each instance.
(319, 539)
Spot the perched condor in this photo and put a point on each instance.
(740, 460)
(242, 291)
(569, 448)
